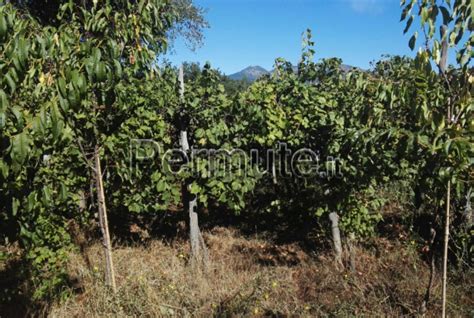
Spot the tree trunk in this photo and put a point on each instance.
(336, 238)
(104, 224)
(445, 251)
(350, 245)
(468, 210)
(274, 175)
(424, 304)
(198, 247)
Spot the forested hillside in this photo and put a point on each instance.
(103, 152)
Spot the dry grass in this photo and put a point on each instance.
(250, 277)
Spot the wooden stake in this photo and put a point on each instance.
(442, 69)
(104, 224)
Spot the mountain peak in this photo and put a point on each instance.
(250, 73)
(255, 68)
(254, 72)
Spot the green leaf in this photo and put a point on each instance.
(31, 201)
(235, 186)
(10, 82)
(118, 69)
(408, 25)
(100, 72)
(4, 169)
(56, 122)
(64, 192)
(23, 51)
(161, 186)
(3, 109)
(47, 195)
(319, 212)
(20, 147)
(62, 87)
(412, 41)
(424, 15)
(447, 146)
(446, 15)
(140, 6)
(64, 104)
(465, 58)
(194, 188)
(3, 101)
(3, 26)
(405, 12)
(15, 205)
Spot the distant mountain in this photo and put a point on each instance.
(250, 73)
(346, 68)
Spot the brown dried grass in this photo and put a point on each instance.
(251, 277)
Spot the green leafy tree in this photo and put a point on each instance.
(75, 59)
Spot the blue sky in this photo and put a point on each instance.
(255, 32)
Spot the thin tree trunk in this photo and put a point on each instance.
(104, 224)
(445, 251)
(336, 238)
(198, 247)
(442, 69)
(468, 210)
(274, 176)
(194, 227)
(350, 245)
(424, 304)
